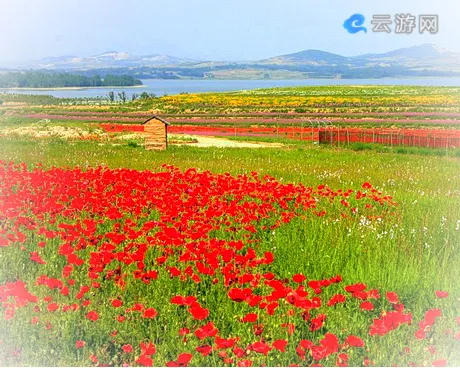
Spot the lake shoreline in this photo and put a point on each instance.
(161, 87)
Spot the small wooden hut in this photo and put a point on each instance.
(156, 133)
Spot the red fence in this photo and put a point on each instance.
(391, 137)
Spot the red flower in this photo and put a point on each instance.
(182, 360)
(250, 317)
(331, 343)
(184, 331)
(431, 315)
(52, 307)
(145, 360)
(148, 349)
(127, 348)
(355, 288)
(439, 363)
(204, 350)
(198, 312)
(92, 316)
(150, 313)
(239, 295)
(117, 303)
(207, 330)
(338, 298)
(224, 343)
(280, 345)
(260, 347)
(298, 278)
(180, 300)
(441, 294)
(317, 323)
(392, 297)
(79, 344)
(368, 306)
(244, 363)
(342, 360)
(35, 257)
(354, 341)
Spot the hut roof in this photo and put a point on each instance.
(155, 117)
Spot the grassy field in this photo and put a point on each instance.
(410, 249)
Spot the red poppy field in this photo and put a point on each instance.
(122, 263)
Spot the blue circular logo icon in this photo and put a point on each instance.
(354, 24)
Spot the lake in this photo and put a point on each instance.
(170, 86)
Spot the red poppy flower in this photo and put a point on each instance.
(145, 360)
(92, 316)
(298, 278)
(52, 307)
(392, 297)
(80, 344)
(184, 331)
(184, 358)
(368, 306)
(204, 350)
(35, 257)
(250, 317)
(439, 363)
(244, 363)
(280, 345)
(441, 294)
(260, 347)
(148, 348)
(127, 348)
(198, 312)
(207, 330)
(150, 313)
(342, 360)
(354, 341)
(355, 288)
(338, 298)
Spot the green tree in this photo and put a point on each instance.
(122, 96)
(111, 96)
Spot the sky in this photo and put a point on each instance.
(210, 29)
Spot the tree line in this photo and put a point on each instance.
(35, 79)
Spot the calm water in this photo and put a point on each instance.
(160, 87)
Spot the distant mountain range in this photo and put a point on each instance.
(423, 60)
(109, 59)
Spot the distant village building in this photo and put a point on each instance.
(156, 133)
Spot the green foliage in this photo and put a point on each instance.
(35, 79)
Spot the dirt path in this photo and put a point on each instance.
(223, 142)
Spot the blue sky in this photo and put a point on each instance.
(209, 29)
